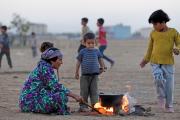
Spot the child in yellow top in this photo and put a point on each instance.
(160, 55)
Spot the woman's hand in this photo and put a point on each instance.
(176, 51)
(79, 99)
(143, 63)
(76, 97)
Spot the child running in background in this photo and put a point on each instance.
(91, 62)
(85, 29)
(102, 41)
(160, 55)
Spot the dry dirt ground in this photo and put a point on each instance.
(127, 55)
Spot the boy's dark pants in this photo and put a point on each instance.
(89, 87)
(7, 53)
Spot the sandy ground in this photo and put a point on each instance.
(126, 71)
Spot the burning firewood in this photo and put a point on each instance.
(120, 105)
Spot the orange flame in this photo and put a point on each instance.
(103, 110)
(125, 104)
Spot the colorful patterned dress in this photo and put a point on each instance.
(42, 93)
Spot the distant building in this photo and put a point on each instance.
(144, 32)
(39, 29)
(118, 32)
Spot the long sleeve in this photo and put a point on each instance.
(177, 40)
(52, 81)
(149, 50)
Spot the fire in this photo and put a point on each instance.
(125, 104)
(123, 107)
(103, 110)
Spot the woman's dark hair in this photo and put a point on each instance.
(101, 21)
(158, 16)
(52, 59)
(89, 36)
(45, 46)
(85, 19)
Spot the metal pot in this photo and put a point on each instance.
(110, 100)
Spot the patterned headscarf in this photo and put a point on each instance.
(51, 53)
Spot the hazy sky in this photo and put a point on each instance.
(65, 15)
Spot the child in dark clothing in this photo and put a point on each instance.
(4, 43)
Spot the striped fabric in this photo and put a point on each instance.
(89, 60)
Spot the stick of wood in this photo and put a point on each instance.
(90, 107)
